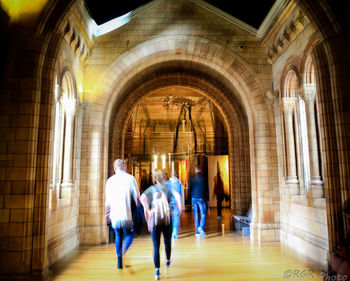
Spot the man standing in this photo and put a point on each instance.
(121, 189)
(198, 190)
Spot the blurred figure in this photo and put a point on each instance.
(175, 185)
(198, 191)
(218, 191)
(150, 179)
(143, 181)
(155, 201)
(339, 258)
(121, 189)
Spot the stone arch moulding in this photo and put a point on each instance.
(309, 55)
(68, 71)
(219, 60)
(235, 120)
(286, 78)
(232, 72)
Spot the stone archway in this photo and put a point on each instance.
(239, 86)
(235, 119)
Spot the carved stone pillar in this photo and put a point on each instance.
(308, 93)
(292, 177)
(58, 91)
(69, 108)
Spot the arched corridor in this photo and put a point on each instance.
(214, 111)
(173, 84)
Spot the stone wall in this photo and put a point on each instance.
(67, 116)
(303, 212)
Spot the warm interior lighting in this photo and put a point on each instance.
(80, 92)
(169, 159)
(163, 161)
(155, 161)
(22, 9)
(69, 104)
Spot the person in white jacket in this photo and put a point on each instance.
(121, 189)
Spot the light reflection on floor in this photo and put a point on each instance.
(228, 256)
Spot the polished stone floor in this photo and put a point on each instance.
(222, 255)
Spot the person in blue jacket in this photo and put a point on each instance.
(174, 184)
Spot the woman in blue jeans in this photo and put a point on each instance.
(152, 194)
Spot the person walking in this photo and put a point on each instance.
(198, 191)
(121, 189)
(143, 181)
(174, 184)
(218, 192)
(155, 201)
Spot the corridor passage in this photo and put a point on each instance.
(219, 256)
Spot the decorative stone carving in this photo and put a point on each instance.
(308, 92)
(286, 36)
(272, 97)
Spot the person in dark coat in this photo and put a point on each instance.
(218, 192)
(143, 181)
(198, 191)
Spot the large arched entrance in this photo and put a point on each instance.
(220, 76)
(208, 88)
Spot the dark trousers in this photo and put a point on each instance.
(166, 230)
(219, 200)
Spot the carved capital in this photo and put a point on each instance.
(289, 104)
(308, 92)
(272, 96)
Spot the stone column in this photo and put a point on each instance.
(58, 91)
(69, 109)
(308, 93)
(292, 177)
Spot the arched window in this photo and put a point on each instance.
(290, 131)
(65, 108)
(303, 142)
(291, 84)
(308, 93)
(309, 74)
